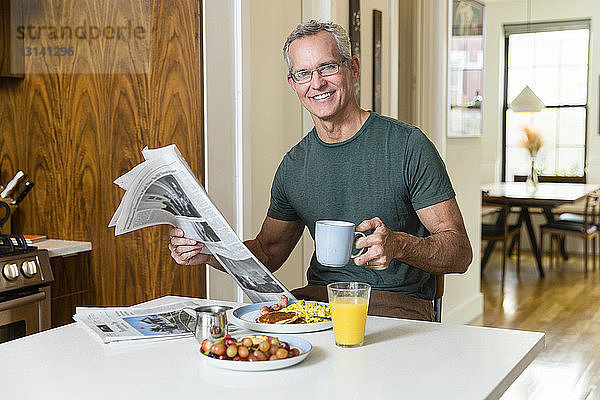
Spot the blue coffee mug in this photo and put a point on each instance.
(334, 241)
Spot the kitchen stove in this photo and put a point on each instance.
(25, 275)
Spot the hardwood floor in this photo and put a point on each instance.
(566, 306)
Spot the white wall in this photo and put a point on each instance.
(276, 114)
(462, 299)
(219, 103)
(503, 12)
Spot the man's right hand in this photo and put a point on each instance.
(187, 251)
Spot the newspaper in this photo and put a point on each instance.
(115, 324)
(164, 190)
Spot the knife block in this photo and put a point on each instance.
(5, 228)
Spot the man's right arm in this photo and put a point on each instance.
(275, 241)
(272, 246)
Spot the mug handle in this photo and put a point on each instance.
(190, 318)
(361, 251)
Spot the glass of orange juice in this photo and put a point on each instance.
(348, 302)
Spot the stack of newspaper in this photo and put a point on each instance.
(115, 324)
(164, 190)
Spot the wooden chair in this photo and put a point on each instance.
(585, 226)
(503, 232)
(437, 298)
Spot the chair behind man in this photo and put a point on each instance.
(437, 298)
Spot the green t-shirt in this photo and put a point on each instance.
(388, 169)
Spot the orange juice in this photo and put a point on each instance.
(349, 315)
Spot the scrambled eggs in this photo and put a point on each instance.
(309, 312)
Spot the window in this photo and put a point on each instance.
(552, 58)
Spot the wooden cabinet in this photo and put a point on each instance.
(71, 287)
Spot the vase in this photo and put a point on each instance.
(532, 178)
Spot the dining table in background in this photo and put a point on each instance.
(547, 196)
(400, 359)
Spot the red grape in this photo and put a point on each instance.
(218, 349)
(243, 351)
(232, 351)
(281, 353)
(206, 345)
(260, 356)
(264, 346)
(273, 349)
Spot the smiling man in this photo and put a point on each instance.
(354, 165)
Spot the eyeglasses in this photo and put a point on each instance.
(305, 75)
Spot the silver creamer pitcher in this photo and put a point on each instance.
(206, 322)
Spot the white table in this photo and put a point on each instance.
(400, 359)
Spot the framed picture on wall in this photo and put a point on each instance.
(465, 69)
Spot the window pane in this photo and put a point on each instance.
(520, 51)
(571, 126)
(543, 122)
(515, 122)
(517, 162)
(574, 47)
(545, 162)
(545, 48)
(549, 93)
(570, 161)
(573, 85)
(518, 79)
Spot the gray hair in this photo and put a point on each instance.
(313, 27)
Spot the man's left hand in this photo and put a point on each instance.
(381, 244)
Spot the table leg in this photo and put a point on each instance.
(534, 247)
(513, 241)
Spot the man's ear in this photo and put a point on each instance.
(355, 67)
(290, 81)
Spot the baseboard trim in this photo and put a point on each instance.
(464, 312)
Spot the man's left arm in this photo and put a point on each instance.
(446, 250)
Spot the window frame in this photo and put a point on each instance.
(510, 29)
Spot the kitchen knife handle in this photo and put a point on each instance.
(26, 188)
(11, 185)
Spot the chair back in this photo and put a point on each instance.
(591, 215)
(437, 298)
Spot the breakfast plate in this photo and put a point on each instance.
(245, 317)
(301, 344)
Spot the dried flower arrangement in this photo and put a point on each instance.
(532, 141)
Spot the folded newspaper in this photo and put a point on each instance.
(164, 190)
(115, 324)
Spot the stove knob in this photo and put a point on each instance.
(10, 271)
(29, 269)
